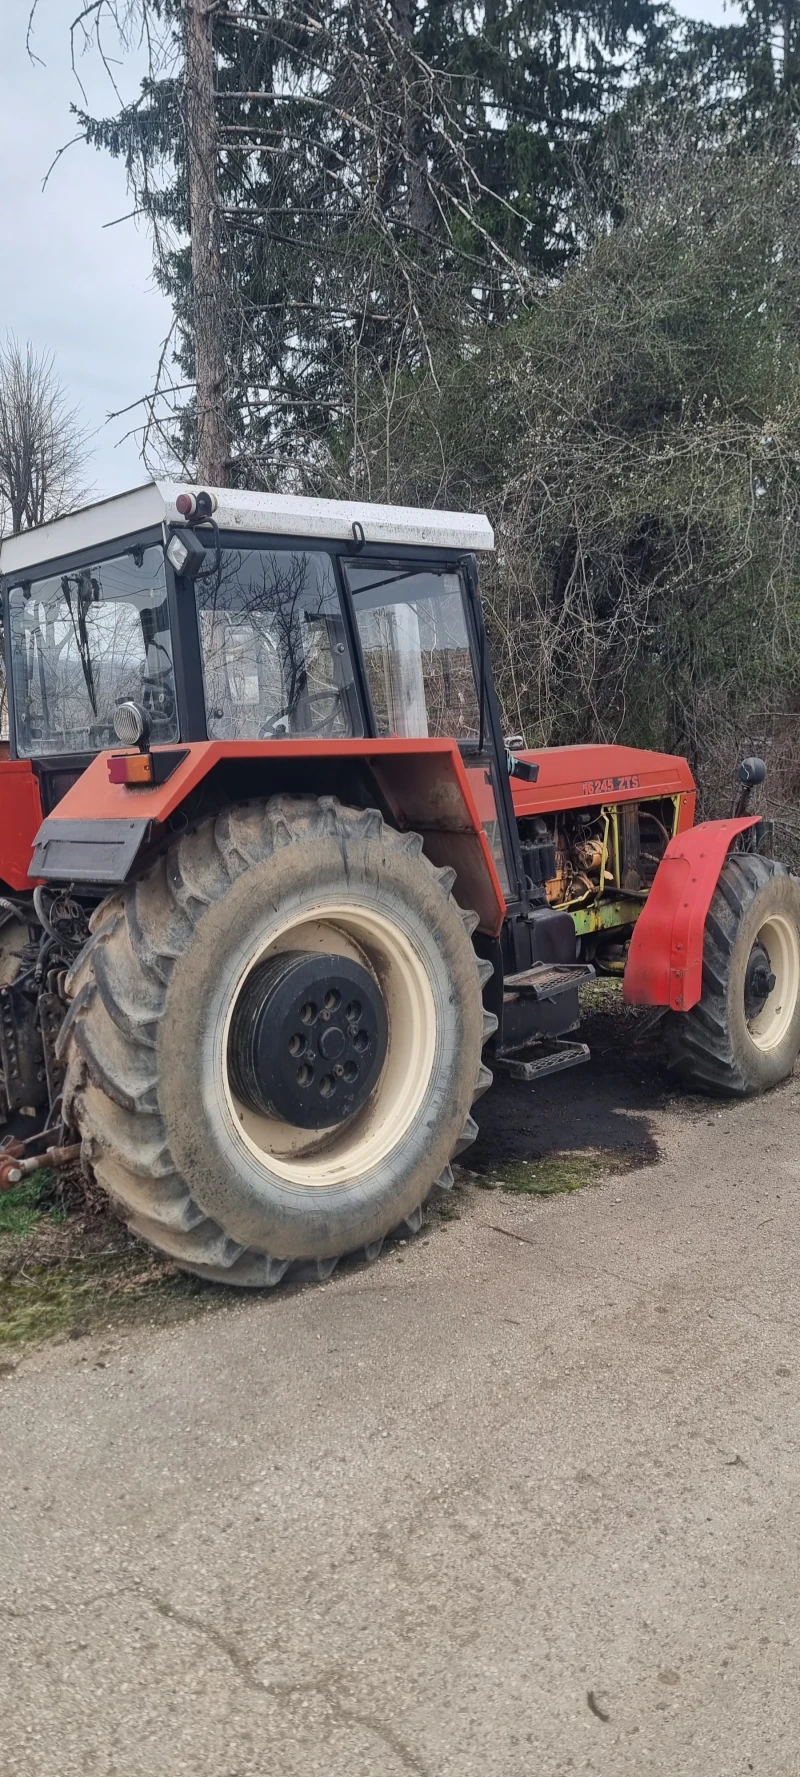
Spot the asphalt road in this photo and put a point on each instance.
(521, 1499)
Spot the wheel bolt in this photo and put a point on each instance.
(338, 1070)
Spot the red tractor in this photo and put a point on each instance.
(275, 887)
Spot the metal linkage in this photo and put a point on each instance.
(14, 1167)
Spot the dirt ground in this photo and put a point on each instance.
(518, 1500)
(604, 1105)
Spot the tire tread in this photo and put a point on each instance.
(118, 987)
(700, 1048)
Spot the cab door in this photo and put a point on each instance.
(421, 661)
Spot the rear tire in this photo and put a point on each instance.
(740, 1039)
(233, 1195)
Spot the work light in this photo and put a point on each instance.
(186, 553)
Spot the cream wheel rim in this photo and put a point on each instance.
(779, 937)
(342, 1155)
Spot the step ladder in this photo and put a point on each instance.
(551, 1055)
(545, 981)
(536, 1060)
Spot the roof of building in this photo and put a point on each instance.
(291, 515)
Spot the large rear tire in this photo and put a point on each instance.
(743, 1036)
(154, 1086)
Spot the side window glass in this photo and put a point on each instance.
(481, 783)
(415, 644)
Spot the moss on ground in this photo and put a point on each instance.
(67, 1269)
(546, 1177)
(67, 1300)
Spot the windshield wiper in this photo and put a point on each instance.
(405, 574)
(80, 629)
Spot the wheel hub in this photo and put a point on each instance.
(759, 981)
(308, 1038)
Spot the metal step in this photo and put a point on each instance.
(544, 981)
(540, 1059)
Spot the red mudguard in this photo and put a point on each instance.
(95, 832)
(665, 959)
(20, 816)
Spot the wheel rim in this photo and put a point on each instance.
(318, 1158)
(779, 938)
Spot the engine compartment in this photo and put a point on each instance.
(598, 863)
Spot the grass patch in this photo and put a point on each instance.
(68, 1267)
(23, 1206)
(547, 1177)
(68, 1299)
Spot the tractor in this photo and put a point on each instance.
(278, 892)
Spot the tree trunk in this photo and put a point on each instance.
(789, 38)
(201, 131)
(422, 212)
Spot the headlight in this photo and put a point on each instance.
(131, 725)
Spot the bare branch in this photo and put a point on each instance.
(43, 448)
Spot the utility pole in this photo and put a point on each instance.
(213, 442)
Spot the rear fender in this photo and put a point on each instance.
(665, 958)
(104, 833)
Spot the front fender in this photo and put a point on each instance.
(665, 958)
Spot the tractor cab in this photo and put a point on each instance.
(252, 617)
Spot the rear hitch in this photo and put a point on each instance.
(15, 1166)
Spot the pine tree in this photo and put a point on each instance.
(343, 191)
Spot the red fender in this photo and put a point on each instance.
(20, 815)
(95, 832)
(665, 959)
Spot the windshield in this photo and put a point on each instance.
(275, 660)
(416, 651)
(82, 641)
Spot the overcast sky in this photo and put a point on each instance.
(71, 283)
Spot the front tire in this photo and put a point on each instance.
(743, 1036)
(236, 1192)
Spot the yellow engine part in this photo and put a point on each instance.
(557, 889)
(581, 873)
(590, 854)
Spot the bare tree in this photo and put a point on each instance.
(43, 452)
(43, 449)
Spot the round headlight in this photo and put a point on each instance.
(130, 724)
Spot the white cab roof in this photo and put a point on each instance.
(290, 515)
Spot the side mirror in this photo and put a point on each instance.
(751, 772)
(524, 768)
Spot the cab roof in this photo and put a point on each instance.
(291, 515)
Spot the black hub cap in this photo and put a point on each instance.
(759, 981)
(308, 1038)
